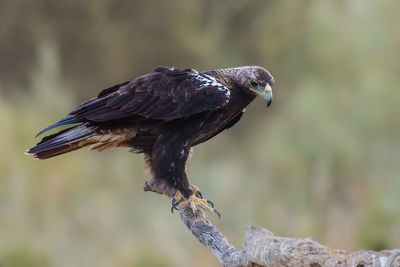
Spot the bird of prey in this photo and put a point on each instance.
(162, 114)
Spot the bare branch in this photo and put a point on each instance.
(210, 236)
(262, 248)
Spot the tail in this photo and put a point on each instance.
(64, 141)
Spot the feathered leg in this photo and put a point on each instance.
(169, 167)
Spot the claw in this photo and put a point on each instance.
(174, 205)
(213, 209)
(176, 201)
(194, 201)
(196, 191)
(217, 212)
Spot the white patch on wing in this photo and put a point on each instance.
(209, 81)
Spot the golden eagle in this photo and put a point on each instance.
(162, 114)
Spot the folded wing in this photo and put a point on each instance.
(163, 94)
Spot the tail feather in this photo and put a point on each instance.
(62, 142)
(70, 119)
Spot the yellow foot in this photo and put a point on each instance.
(194, 201)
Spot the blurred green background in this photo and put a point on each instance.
(323, 161)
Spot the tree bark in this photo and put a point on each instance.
(262, 248)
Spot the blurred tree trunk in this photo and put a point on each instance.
(262, 248)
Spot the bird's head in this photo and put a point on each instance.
(255, 79)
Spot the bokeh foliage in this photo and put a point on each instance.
(323, 161)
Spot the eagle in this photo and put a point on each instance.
(163, 114)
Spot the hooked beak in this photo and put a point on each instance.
(266, 93)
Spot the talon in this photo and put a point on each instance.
(175, 207)
(217, 212)
(174, 204)
(196, 191)
(194, 201)
(176, 200)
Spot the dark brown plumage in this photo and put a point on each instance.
(162, 114)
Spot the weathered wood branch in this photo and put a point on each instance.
(262, 248)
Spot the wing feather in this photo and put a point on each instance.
(163, 94)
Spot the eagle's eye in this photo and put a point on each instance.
(254, 83)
